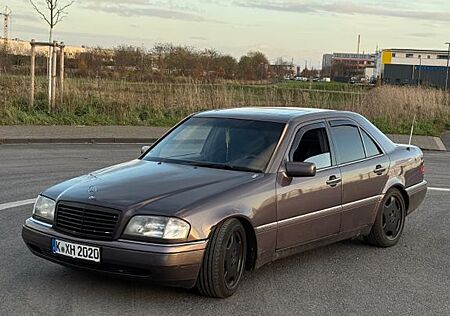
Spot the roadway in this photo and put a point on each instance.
(348, 278)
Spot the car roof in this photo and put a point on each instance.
(272, 114)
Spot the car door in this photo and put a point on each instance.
(308, 208)
(364, 169)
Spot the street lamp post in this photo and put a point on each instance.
(448, 61)
(420, 70)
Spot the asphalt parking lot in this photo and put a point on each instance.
(348, 278)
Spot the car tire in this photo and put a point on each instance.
(224, 260)
(390, 220)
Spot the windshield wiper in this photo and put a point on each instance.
(222, 166)
(206, 164)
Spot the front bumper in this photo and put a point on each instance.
(175, 265)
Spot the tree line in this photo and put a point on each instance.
(168, 61)
(161, 62)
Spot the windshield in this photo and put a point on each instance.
(220, 143)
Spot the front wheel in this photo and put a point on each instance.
(224, 260)
(390, 220)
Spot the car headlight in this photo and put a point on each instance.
(157, 227)
(44, 208)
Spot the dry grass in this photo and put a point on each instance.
(120, 102)
(392, 102)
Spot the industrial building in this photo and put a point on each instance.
(412, 66)
(344, 66)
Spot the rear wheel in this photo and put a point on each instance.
(224, 260)
(390, 220)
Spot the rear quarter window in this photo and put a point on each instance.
(372, 148)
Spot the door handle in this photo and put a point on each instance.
(333, 181)
(379, 169)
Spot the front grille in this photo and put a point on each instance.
(86, 220)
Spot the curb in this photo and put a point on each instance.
(87, 140)
(445, 137)
(431, 143)
(424, 142)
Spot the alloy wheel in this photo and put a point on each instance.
(234, 259)
(392, 217)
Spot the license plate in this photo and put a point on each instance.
(77, 251)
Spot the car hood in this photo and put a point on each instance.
(163, 188)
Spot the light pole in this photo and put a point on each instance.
(420, 70)
(448, 60)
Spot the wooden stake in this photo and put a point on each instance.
(61, 74)
(32, 73)
(54, 62)
(49, 73)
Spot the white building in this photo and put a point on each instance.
(23, 48)
(411, 66)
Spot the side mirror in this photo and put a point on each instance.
(300, 169)
(144, 149)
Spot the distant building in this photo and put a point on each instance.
(283, 69)
(327, 60)
(23, 48)
(362, 60)
(344, 66)
(412, 66)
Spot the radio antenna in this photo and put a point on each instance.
(412, 129)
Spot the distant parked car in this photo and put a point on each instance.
(325, 79)
(230, 190)
(301, 78)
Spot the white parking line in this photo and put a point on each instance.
(16, 204)
(439, 189)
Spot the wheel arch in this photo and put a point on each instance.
(403, 192)
(250, 234)
(398, 183)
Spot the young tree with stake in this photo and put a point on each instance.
(56, 12)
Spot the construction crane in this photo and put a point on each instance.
(6, 20)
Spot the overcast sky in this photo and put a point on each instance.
(298, 29)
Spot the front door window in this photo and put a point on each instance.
(314, 147)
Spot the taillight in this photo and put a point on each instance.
(422, 168)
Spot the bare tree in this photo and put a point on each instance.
(52, 13)
(56, 13)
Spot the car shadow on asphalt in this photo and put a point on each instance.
(117, 284)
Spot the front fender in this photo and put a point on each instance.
(254, 203)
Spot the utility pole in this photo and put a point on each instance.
(6, 16)
(4, 46)
(357, 55)
(448, 61)
(359, 44)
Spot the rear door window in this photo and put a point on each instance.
(348, 142)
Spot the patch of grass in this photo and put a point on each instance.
(421, 127)
(327, 86)
(97, 102)
(86, 115)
